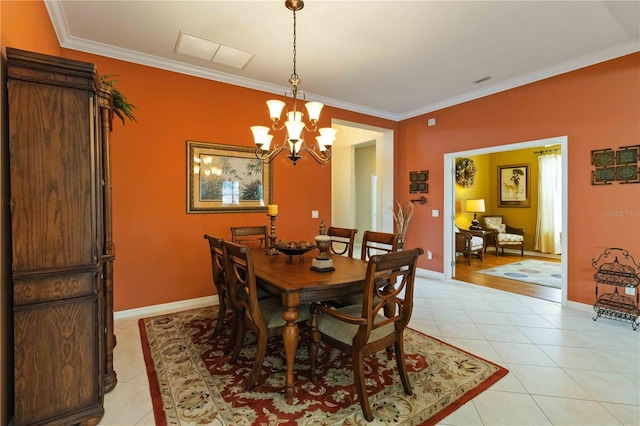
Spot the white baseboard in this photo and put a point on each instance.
(181, 305)
(426, 273)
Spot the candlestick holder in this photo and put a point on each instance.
(272, 250)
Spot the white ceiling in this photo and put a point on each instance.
(391, 59)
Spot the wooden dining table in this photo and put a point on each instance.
(295, 283)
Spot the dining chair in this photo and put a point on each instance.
(250, 235)
(372, 243)
(378, 243)
(342, 240)
(366, 328)
(216, 246)
(261, 316)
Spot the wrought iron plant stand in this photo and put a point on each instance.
(624, 272)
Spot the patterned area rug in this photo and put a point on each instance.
(531, 271)
(191, 381)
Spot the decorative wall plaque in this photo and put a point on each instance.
(418, 181)
(615, 166)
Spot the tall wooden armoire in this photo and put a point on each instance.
(62, 251)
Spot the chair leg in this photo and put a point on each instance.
(261, 350)
(402, 369)
(313, 345)
(222, 310)
(522, 250)
(235, 318)
(361, 389)
(237, 344)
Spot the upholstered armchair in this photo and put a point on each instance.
(502, 235)
(468, 243)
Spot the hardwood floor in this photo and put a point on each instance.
(468, 273)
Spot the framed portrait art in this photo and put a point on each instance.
(226, 179)
(514, 186)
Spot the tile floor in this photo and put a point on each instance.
(565, 369)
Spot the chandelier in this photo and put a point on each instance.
(294, 98)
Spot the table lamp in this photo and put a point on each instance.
(475, 207)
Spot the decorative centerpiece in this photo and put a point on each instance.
(293, 248)
(323, 262)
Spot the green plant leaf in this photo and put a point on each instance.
(121, 106)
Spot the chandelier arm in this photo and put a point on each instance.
(320, 158)
(313, 128)
(268, 156)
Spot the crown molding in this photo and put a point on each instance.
(562, 68)
(67, 41)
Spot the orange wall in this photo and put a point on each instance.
(596, 107)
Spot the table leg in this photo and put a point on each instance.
(290, 337)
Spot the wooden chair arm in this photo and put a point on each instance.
(328, 310)
(512, 230)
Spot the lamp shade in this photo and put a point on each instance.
(475, 206)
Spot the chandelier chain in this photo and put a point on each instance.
(295, 74)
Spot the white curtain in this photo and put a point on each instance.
(549, 227)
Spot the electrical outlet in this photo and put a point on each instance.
(630, 291)
(314, 214)
(429, 254)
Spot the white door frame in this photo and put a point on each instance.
(351, 134)
(450, 199)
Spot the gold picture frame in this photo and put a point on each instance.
(514, 186)
(226, 179)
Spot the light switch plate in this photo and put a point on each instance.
(435, 213)
(314, 214)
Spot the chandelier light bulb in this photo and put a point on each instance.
(294, 116)
(261, 135)
(294, 129)
(275, 109)
(313, 110)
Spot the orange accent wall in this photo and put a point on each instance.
(26, 25)
(596, 107)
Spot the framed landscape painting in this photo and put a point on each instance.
(513, 186)
(226, 179)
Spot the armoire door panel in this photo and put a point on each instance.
(65, 379)
(42, 288)
(52, 171)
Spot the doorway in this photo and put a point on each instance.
(449, 200)
(344, 201)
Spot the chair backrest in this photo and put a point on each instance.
(393, 302)
(378, 243)
(249, 235)
(493, 222)
(241, 281)
(217, 263)
(342, 240)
